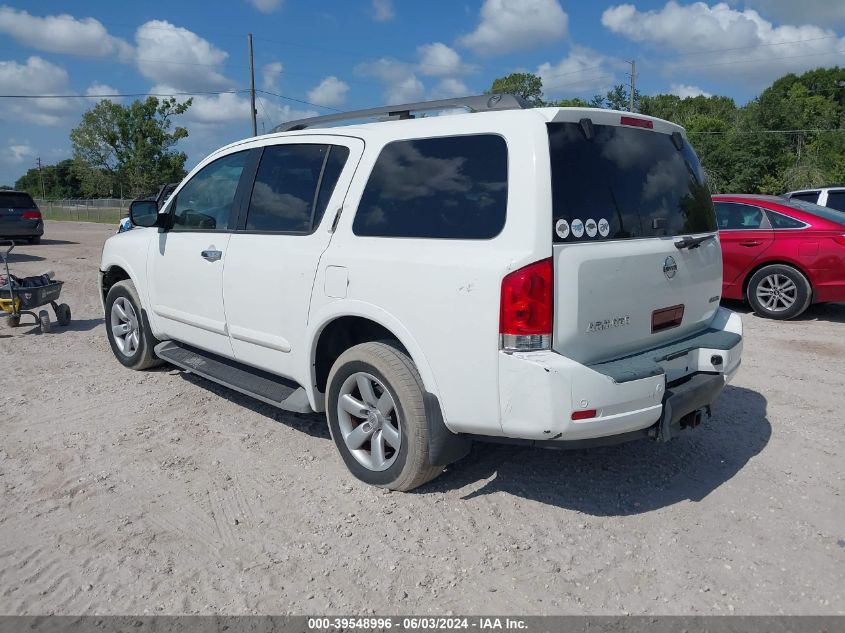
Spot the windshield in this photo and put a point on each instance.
(625, 183)
(16, 201)
(823, 212)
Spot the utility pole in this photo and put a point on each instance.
(252, 88)
(633, 63)
(41, 177)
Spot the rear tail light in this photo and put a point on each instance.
(839, 239)
(525, 315)
(32, 215)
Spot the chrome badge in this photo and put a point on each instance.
(670, 267)
(606, 324)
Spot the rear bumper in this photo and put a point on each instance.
(539, 391)
(23, 229)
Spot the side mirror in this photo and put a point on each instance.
(144, 213)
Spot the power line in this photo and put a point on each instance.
(755, 61)
(308, 103)
(804, 131)
(134, 94)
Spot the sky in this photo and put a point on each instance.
(320, 57)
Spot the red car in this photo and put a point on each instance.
(780, 255)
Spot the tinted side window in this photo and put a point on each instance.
(739, 217)
(836, 200)
(205, 202)
(285, 196)
(807, 196)
(453, 187)
(783, 222)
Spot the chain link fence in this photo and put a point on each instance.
(105, 210)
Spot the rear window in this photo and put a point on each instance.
(822, 212)
(806, 196)
(16, 201)
(443, 188)
(625, 183)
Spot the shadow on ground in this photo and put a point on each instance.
(833, 312)
(628, 478)
(20, 258)
(46, 242)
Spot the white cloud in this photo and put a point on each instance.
(794, 12)
(98, 88)
(266, 6)
(270, 74)
(36, 77)
(401, 84)
(408, 90)
(684, 91)
(752, 47)
(437, 59)
(19, 152)
(583, 71)
(449, 87)
(383, 10)
(180, 58)
(63, 34)
(509, 25)
(329, 92)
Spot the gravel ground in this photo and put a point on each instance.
(156, 492)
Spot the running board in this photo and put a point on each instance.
(261, 385)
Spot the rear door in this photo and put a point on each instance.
(622, 195)
(746, 234)
(273, 256)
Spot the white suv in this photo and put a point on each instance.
(832, 197)
(543, 276)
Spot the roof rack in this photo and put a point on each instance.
(478, 103)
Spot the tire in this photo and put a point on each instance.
(44, 321)
(779, 292)
(35, 239)
(135, 352)
(63, 314)
(391, 375)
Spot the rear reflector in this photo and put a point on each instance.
(630, 120)
(667, 318)
(31, 215)
(586, 414)
(525, 312)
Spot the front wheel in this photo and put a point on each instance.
(129, 336)
(374, 405)
(779, 292)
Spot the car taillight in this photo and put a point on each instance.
(32, 215)
(839, 239)
(525, 315)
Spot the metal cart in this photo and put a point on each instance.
(17, 301)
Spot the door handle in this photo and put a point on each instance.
(750, 243)
(211, 255)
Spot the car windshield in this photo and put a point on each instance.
(826, 213)
(16, 201)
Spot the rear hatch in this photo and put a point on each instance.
(625, 190)
(17, 211)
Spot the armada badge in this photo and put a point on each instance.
(606, 324)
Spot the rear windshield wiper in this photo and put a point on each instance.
(692, 242)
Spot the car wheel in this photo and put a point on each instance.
(35, 239)
(127, 329)
(779, 292)
(374, 405)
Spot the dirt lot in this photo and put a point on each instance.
(156, 492)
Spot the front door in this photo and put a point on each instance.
(186, 262)
(273, 256)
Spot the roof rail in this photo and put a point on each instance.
(478, 103)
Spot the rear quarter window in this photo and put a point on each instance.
(452, 187)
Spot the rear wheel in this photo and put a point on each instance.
(374, 404)
(779, 292)
(128, 332)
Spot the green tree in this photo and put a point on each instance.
(60, 181)
(525, 85)
(128, 150)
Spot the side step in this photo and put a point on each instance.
(280, 392)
